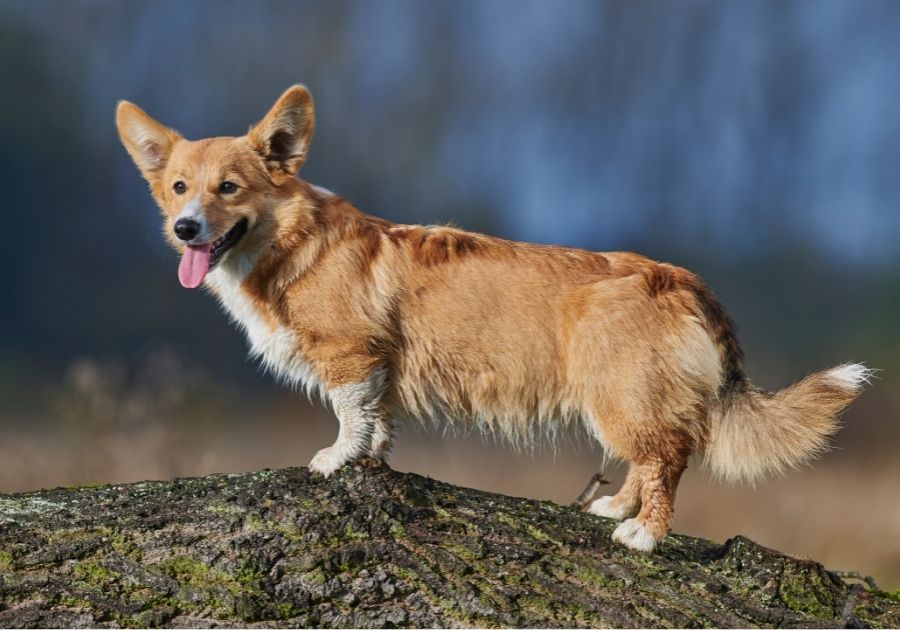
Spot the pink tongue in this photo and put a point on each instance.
(194, 266)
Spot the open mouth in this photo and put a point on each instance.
(222, 245)
(197, 260)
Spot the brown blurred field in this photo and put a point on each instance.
(104, 424)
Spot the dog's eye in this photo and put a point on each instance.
(227, 188)
(179, 187)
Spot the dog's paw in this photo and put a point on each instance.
(604, 507)
(634, 535)
(327, 461)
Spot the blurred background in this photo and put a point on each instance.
(756, 143)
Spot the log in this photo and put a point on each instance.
(375, 547)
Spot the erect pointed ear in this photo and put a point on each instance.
(147, 141)
(282, 137)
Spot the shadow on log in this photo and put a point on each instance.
(374, 547)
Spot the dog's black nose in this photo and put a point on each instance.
(186, 229)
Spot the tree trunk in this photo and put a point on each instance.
(374, 547)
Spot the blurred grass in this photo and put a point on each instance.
(109, 422)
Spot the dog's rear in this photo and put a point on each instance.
(523, 338)
(697, 399)
(388, 320)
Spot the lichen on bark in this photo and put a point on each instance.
(374, 547)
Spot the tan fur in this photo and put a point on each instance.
(396, 321)
(756, 433)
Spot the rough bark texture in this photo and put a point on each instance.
(373, 547)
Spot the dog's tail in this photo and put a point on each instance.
(755, 433)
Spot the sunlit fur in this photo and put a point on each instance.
(389, 321)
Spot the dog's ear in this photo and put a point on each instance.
(282, 137)
(147, 141)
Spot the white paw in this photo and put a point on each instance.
(604, 507)
(634, 535)
(327, 461)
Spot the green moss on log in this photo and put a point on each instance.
(373, 547)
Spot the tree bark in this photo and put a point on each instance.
(374, 547)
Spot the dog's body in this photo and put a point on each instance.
(387, 321)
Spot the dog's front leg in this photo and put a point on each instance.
(382, 439)
(358, 409)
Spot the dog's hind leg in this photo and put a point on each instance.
(658, 478)
(657, 452)
(625, 503)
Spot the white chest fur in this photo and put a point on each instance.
(275, 346)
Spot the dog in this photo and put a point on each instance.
(391, 321)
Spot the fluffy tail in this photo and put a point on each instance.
(755, 433)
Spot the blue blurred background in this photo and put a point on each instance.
(757, 143)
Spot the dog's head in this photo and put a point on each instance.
(216, 193)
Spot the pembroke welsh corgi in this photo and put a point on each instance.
(388, 321)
